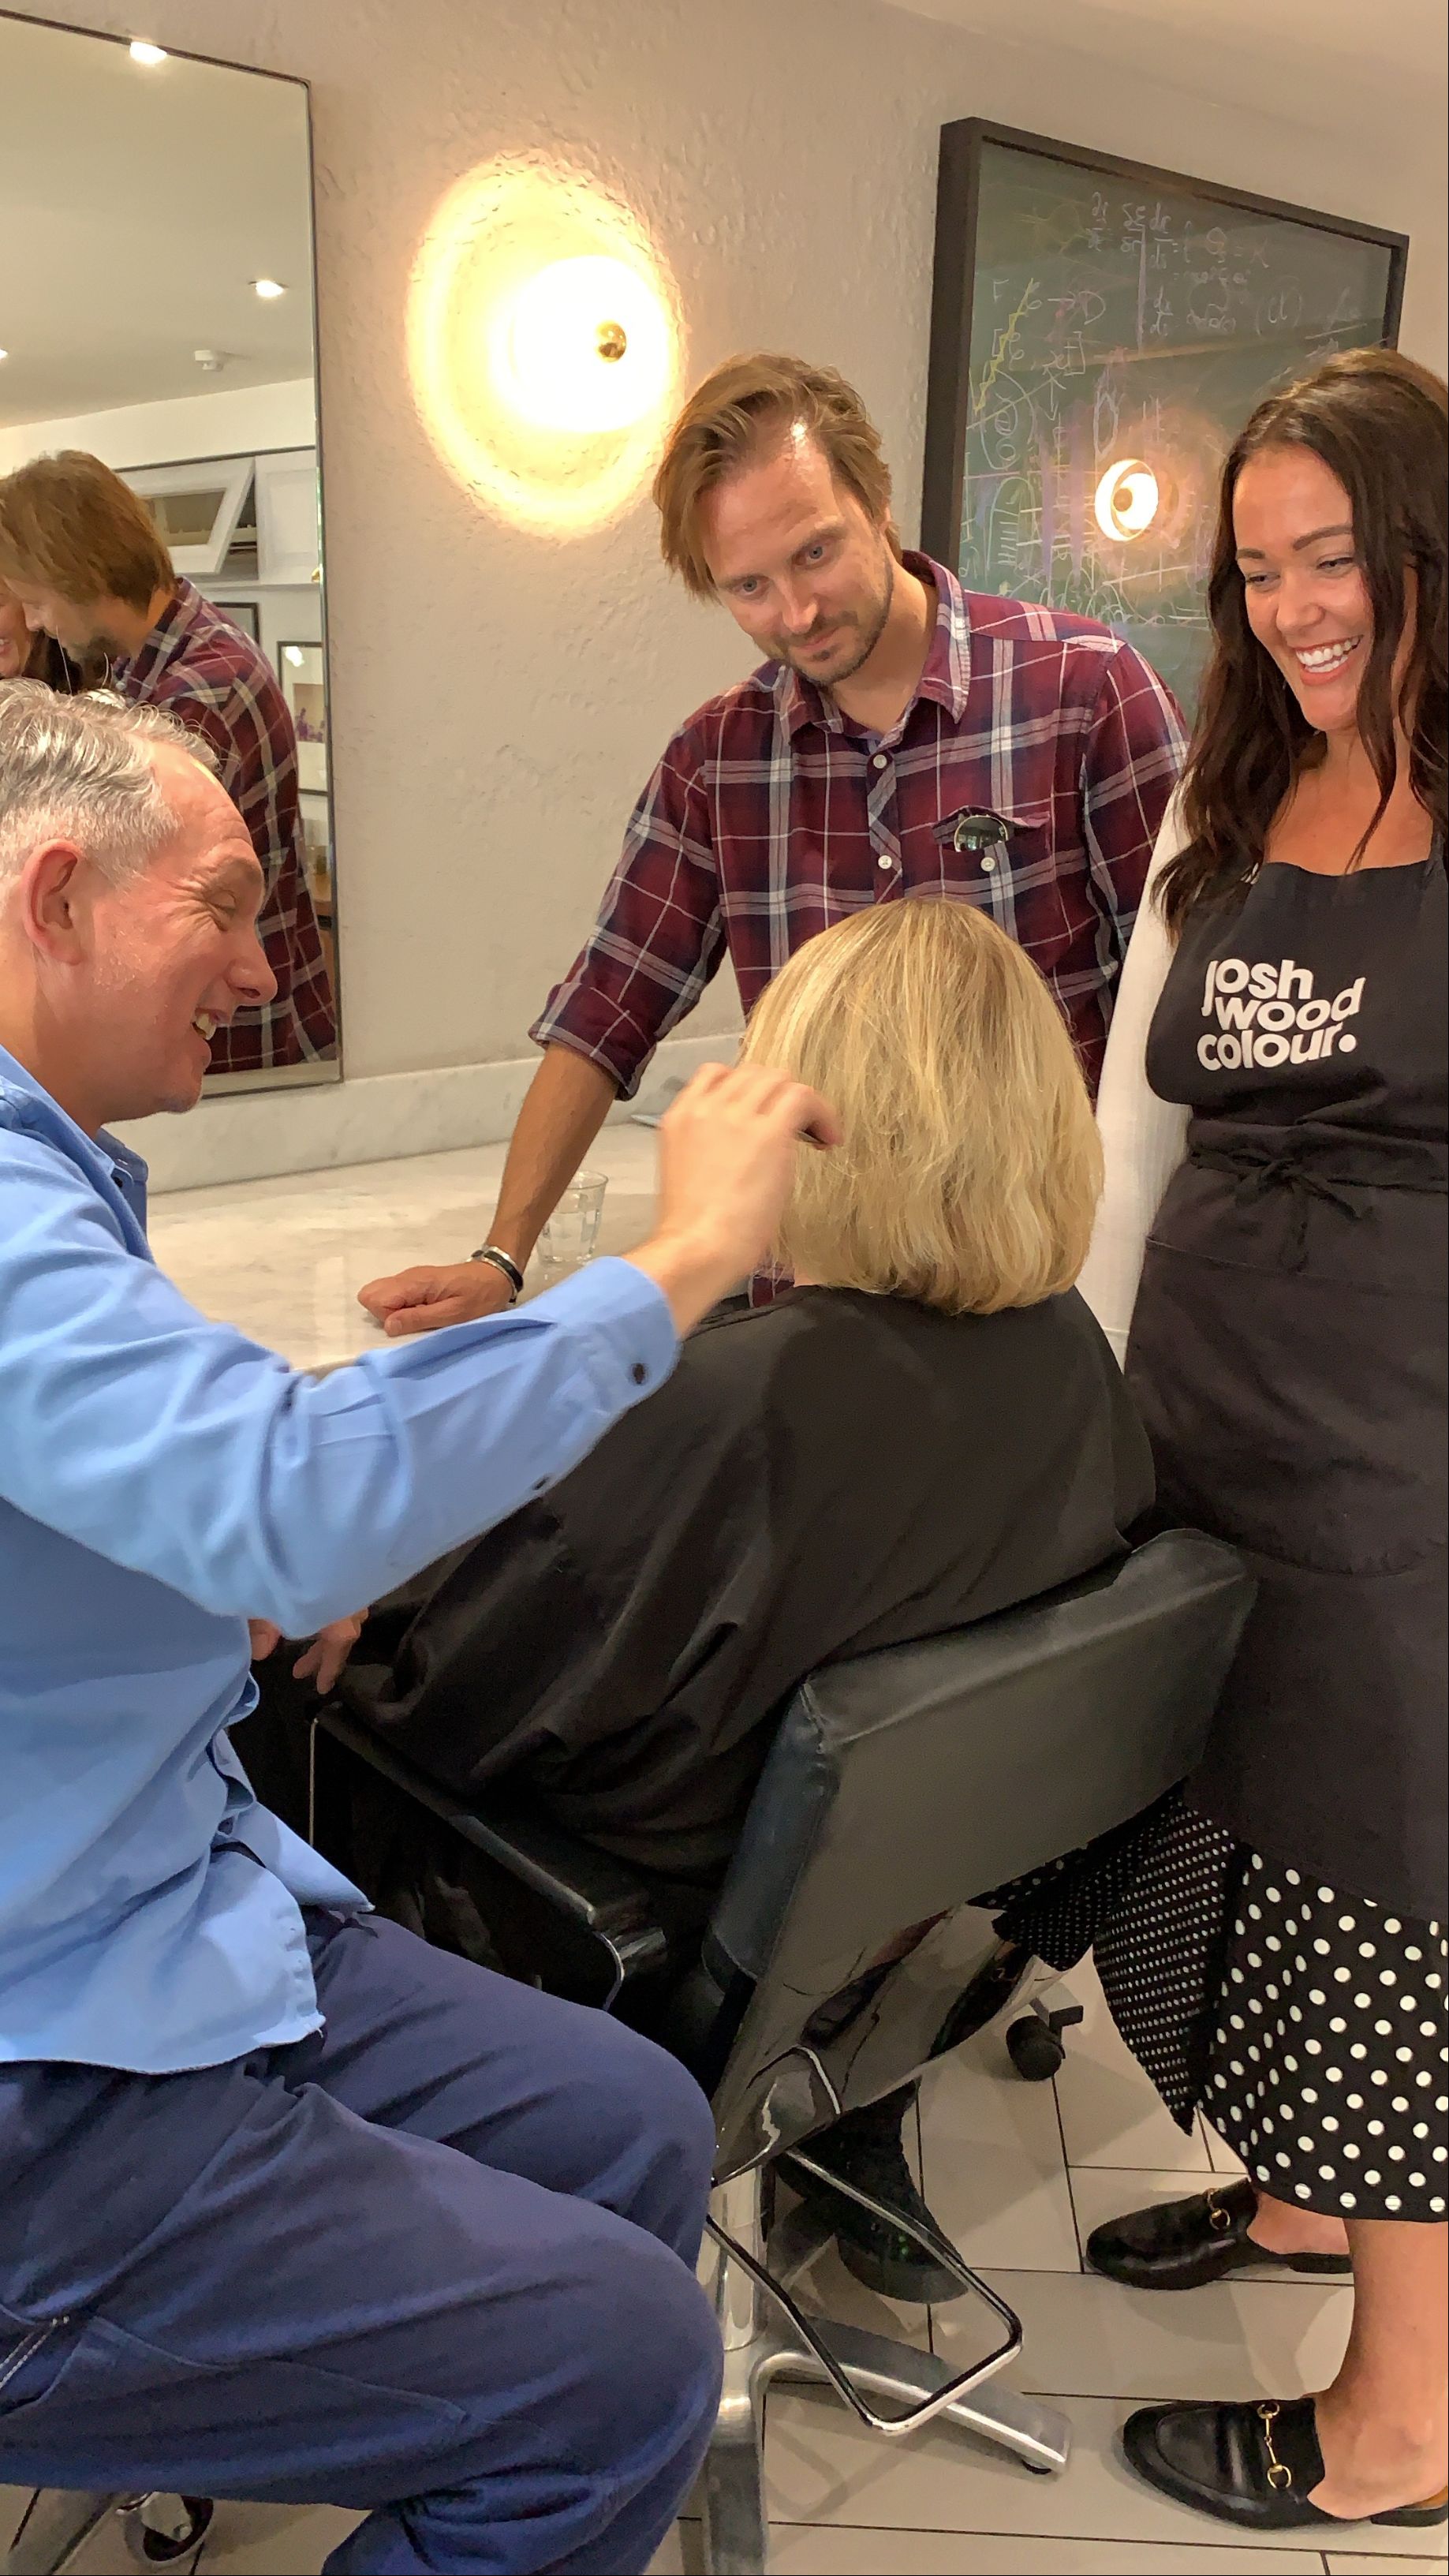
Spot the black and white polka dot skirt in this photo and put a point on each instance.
(1311, 2028)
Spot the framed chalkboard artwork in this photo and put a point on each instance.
(1100, 331)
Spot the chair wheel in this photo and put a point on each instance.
(1034, 2049)
(164, 2528)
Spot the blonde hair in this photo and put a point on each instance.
(740, 407)
(969, 1168)
(70, 525)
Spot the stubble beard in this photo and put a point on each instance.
(870, 636)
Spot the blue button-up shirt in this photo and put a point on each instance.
(162, 1480)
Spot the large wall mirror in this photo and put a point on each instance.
(157, 316)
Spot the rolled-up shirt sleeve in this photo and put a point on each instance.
(180, 1449)
(659, 935)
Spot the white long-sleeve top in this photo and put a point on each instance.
(1143, 1138)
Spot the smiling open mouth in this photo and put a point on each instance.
(204, 1024)
(1326, 658)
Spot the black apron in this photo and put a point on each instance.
(1288, 1354)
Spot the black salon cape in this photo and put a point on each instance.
(828, 1474)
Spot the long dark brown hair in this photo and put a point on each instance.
(1381, 424)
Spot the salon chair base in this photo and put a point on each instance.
(156, 2530)
(764, 2341)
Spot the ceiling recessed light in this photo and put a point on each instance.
(144, 53)
(268, 289)
(4, 354)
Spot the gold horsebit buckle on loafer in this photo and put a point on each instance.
(1219, 2218)
(1278, 2476)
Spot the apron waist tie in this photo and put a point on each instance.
(1257, 1175)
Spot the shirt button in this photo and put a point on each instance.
(987, 866)
(638, 1373)
(885, 861)
(879, 760)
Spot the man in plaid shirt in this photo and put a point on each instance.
(82, 555)
(903, 738)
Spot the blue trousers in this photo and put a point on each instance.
(435, 2261)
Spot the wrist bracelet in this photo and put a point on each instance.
(501, 1261)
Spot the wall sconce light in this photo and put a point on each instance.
(1126, 500)
(544, 345)
(142, 52)
(583, 345)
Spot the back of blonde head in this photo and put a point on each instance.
(969, 1168)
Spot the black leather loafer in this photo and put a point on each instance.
(1179, 2244)
(1253, 2465)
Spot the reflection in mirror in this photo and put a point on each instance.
(160, 523)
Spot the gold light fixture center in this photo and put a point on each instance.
(611, 341)
(1126, 500)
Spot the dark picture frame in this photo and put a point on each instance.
(243, 613)
(973, 263)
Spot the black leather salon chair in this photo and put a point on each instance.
(899, 1786)
(844, 1951)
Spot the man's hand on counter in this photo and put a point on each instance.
(727, 1149)
(432, 1294)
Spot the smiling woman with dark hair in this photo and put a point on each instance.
(1273, 1112)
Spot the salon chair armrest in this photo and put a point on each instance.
(597, 1893)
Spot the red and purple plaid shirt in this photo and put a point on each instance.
(218, 683)
(771, 816)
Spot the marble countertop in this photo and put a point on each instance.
(283, 1259)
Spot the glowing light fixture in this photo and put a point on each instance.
(1126, 500)
(267, 288)
(144, 53)
(584, 344)
(544, 345)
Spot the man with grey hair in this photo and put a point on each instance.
(295, 2207)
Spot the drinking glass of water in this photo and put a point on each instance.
(571, 1235)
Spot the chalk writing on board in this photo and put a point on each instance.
(1125, 330)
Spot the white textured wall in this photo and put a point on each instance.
(497, 700)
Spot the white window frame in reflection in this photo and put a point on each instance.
(229, 476)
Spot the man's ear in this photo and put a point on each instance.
(56, 894)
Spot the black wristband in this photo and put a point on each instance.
(501, 1261)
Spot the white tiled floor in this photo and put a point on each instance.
(1020, 2174)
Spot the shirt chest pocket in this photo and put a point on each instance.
(1005, 862)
